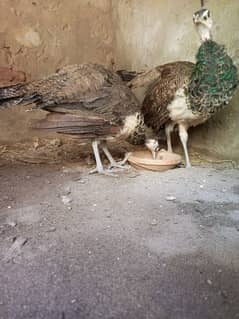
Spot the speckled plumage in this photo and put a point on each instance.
(213, 81)
(161, 93)
(88, 101)
(91, 92)
(187, 94)
(208, 85)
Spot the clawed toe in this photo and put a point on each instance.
(105, 172)
(119, 166)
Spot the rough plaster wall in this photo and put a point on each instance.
(39, 36)
(42, 35)
(152, 32)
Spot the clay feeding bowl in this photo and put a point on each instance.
(164, 160)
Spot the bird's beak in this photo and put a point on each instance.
(195, 20)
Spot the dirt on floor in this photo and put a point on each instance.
(143, 245)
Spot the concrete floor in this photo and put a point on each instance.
(145, 245)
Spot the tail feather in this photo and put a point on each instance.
(13, 91)
(17, 95)
(84, 127)
(11, 96)
(127, 76)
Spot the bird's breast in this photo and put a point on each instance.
(179, 111)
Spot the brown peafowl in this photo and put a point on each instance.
(88, 101)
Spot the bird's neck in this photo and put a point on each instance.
(213, 81)
(204, 33)
(134, 129)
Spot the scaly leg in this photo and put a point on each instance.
(99, 167)
(113, 163)
(184, 139)
(168, 130)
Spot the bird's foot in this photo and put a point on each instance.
(106, 172)
(118, 165)
(122, 164)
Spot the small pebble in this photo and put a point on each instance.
(12, 224)
(201, 186)
(170, 198)
(67, 191)
(66, 200)
(81, 181)
(154, 222)
(209, 282)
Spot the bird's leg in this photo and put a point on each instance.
(168, 130)
(184, 139)
(125, 159)
(99, 167)
(113, 163)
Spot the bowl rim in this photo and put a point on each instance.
(137, 160)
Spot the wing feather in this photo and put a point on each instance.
(79, 125)
(172, 76)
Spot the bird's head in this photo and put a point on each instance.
(203, 22)
(152, 145)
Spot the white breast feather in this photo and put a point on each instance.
(131, 122)
(180, 113)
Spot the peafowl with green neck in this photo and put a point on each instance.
(187, 94)
(213, 81)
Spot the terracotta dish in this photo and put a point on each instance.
(164, 161)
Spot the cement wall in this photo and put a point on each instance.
(40, 36)
(153, 32)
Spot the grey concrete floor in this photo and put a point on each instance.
(145, 245)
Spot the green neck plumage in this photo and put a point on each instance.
(213, 81)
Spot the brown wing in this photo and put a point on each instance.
(85, 87)
(81, 83)
(172, 76)
(85, 127)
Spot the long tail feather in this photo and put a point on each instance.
(11, 91)
(12, 95)
(84, 127)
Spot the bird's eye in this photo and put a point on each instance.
(205, 18)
